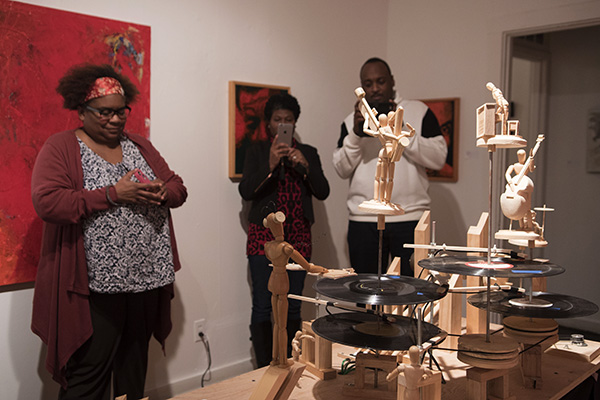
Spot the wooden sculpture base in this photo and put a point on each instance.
(499, 353)
(530, 331)
(378, 207)
(516, 234)
(502, 141)
(278, 383)
(538, 243)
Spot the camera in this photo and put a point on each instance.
(384, 107)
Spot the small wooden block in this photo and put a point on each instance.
(477, 384)
(292, 378)
(531, 362)
(317, 355)
(477, 236)
(270, 384)
(564, 348)
(422, 236)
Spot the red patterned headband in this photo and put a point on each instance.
(103, 87)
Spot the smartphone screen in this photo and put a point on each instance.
(285, 133)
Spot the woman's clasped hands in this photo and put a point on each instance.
(132, 192)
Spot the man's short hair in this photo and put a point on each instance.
(377, 60)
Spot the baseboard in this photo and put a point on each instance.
(192, 383)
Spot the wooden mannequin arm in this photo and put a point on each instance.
(394, 373)
(309, 267)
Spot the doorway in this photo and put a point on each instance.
(553, 83)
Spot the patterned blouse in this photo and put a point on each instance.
(128, 248)
(296, 227)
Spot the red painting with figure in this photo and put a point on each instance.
(37, 46)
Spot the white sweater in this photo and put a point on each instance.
(357, 160)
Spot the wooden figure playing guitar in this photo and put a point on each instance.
(279, 252)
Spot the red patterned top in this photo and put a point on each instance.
(296, 228)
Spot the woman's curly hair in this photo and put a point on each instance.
(78, 80)
(282, 101)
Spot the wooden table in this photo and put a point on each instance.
(560, 375)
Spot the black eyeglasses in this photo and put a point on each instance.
(107, 113)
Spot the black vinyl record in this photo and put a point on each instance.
(560, 305)
(345, 328)
(390, 290)
(500, 267)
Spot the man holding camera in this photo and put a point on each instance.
(356, 156)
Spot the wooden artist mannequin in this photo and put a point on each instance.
(502, 103)
(393, 141)
(414, 374)
(279, 252)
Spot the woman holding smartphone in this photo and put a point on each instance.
(107, 265)
(279, 174)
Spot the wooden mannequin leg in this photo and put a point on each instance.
(280, 310)
(379, 187)
(390, 182)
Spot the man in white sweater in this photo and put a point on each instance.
(356, 156)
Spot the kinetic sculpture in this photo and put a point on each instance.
(388, 129)
(279, 252)
(515, 202)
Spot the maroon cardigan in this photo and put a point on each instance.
(61, 312)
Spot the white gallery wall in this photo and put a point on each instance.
(436, 49)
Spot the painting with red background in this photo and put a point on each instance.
(37, 46)
(250, 126)
(446, 112)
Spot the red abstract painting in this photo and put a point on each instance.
(37, 46)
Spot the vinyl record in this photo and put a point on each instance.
(390, 290)
(499, 267)
(346, 328)
(561, 306)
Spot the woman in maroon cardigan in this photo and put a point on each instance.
(108, 258)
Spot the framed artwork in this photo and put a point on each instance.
(38, 45)
(246, 120)
(447, 114)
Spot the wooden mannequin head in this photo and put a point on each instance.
(274, 221)
(414, 353)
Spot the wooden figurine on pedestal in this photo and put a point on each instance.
(515, 202)
(414, 377)
(490, 114)
(280, 378)
(501, 106)
(279, 252)
(388, 129)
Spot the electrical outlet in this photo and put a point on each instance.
(199, 326)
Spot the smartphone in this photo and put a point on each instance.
(285, 133)
(141, 177)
